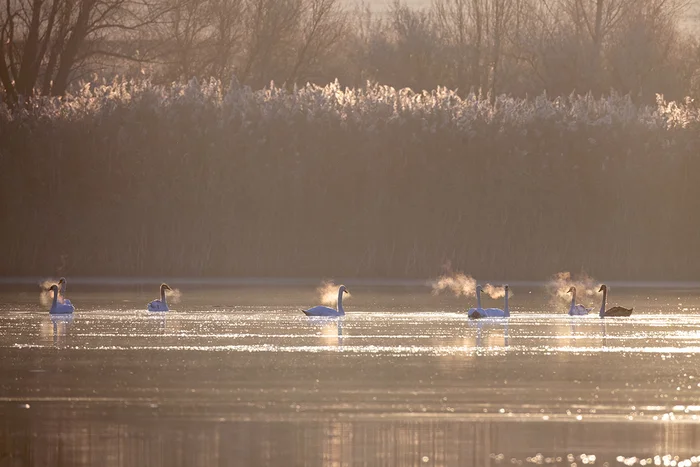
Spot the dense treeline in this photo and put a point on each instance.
(516, 47)
(137, 178)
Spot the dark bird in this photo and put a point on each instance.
(614, 311)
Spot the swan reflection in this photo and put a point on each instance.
(331, 329)
(61, 325)
(492, 324)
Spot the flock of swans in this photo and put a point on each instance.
(479, 312)
(63, 305)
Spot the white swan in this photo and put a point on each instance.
(574, 309)
(62, 291)
(160, 305)
(58, 308)
(497, 312)
(614, 311)
(321, 310)
(478, 311)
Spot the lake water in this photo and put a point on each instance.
(237, 375)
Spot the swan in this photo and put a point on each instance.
(160, 305)
(497, 312)
(477, 312)
(62, 290)
(58, 308)
(614, 311)
(321, 310)
(575, 309)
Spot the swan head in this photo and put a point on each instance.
(62, 280)
(479, 288)
(603, 288)
(165, 286)
(572, 290)
(343, 289)
(54, 287)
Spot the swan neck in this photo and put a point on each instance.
(478, 298)
(162, 294)
(605, 300)
(340, 301)
(573, 300)
(55, 298)
(506, 310)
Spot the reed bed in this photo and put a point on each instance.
(212, 179)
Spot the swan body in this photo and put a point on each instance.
(58, 308)
(478, 311)
(615, 311)
(160, 305)
(577, 309)
(321, 310)
(497, 312)
(62, 291)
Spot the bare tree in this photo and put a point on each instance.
(500, 13)
(454, 28)
(201, 38)
(47, 40)
(416, 46)
(269, 26)
(323, 25)
(593, 21)
(227, 36)
(640, 50)
(189, 29)
(477, 31)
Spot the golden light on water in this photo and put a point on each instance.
(331, 333)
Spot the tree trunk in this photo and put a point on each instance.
(26, 80)
(476, 64)
(73, 44)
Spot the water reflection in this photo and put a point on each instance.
(50, 436)
(61, 327)
(493, 338)
(583, 330)
(159, 320)
(331, 329)
(604, 332)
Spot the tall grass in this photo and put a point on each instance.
(208, 179)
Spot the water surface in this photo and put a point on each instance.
(239, 376)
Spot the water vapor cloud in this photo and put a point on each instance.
(559, 285)
(173, 295)
(328, 293)
(461, 284)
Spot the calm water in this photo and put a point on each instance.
(239, 376)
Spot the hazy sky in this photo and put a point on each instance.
(380, 5)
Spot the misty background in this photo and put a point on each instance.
(512, 138)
